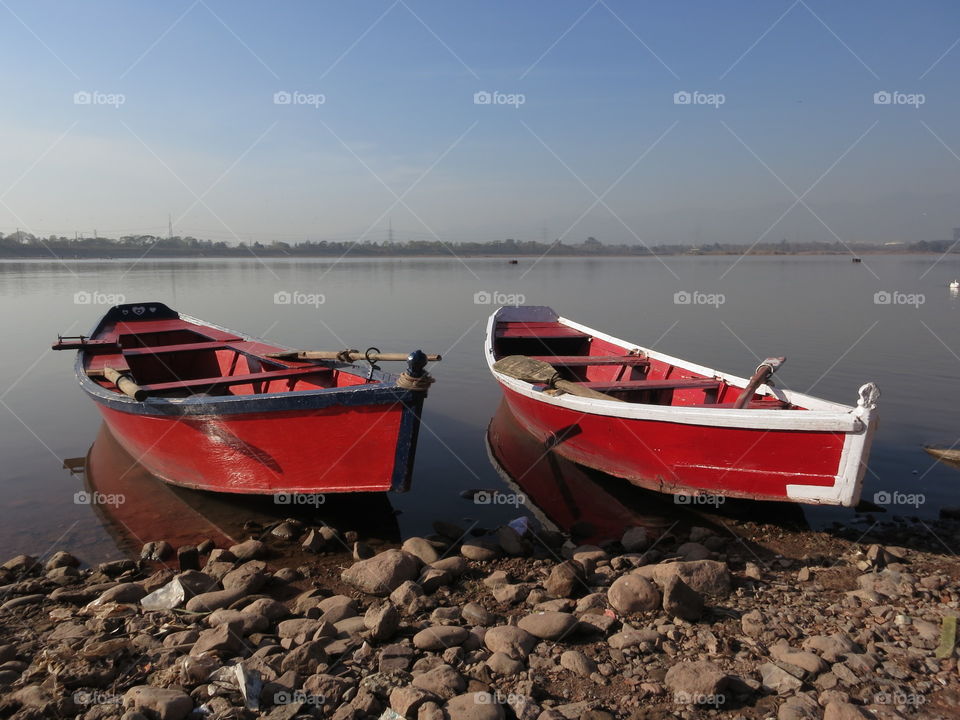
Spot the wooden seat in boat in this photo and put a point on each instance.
(282, 374)
(589, 360)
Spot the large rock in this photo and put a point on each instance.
(440, 637)
(548, 625)
(680, 600)
(565, 579)
(475, 706)
(383, 573)
(443, 681)
(778, 680)
(709, 577)
(578, 663)
(700, 682)
(631, 594)
(803, 659)
(249, 550)
(382, 621)
(635, 539)
(206, 602)
(479, 551)
(408, 598)
(122, 593)
(249, 577)
(421, 548)
(158, 703)
(513, 641)
(831, 648)
(222, 640)
(839, 710)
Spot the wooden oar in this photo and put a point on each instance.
(767, 368)
(345, 356)
(124, 383)
(529, 370)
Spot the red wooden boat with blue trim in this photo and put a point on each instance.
(677, 427)
(208, 408)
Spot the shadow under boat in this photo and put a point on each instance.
(595, 507)
(136, 507)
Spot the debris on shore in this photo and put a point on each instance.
(741, 621)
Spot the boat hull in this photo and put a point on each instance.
(694, 461)
(308, 449)
(814, 452)
(239, 420)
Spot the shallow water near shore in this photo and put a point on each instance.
(890, 320)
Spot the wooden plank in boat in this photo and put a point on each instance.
(587, 360)
(284, 374)
(678, 384)
(159, 349)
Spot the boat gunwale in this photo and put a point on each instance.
(365, 394)
(816, 414)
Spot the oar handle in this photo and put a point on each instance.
(122, 381)
(346, 356)
(767, 368)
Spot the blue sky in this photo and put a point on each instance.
(199, 136)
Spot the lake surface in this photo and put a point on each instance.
(823, 313)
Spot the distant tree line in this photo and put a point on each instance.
(24, 244)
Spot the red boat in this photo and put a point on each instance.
(674, 426)
(207, 408)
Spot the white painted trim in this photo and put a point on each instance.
(822, 415)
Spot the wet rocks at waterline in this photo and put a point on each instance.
(505, 627)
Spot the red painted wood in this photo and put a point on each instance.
(674, 457)
(586, 360)
(183, 347)
(241, 379)
(338, 449)
(684, 383)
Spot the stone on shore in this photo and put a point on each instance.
(630, 594)
(158, 703)
(475, 706)
(696, 682)
(548, 625)
(510, 640)
(383, 573)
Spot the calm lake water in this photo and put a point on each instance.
(823, 313)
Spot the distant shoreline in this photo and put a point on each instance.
(251, 255)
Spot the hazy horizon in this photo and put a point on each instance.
(334, 121)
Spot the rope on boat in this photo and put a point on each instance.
(418, 384)
(344, 355)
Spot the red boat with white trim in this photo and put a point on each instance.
(674, 426)
(207, 408)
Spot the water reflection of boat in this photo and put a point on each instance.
(135, 507)
(593, 506)
(565, 496)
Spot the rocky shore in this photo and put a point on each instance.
(736, 620)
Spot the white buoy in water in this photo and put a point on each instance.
(955, 285)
